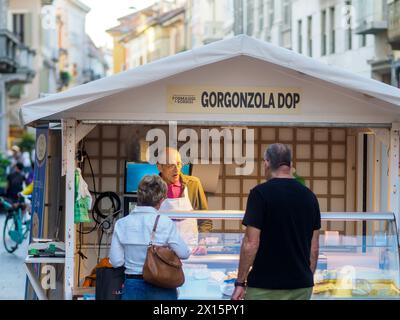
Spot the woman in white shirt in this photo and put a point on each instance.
(132, 236)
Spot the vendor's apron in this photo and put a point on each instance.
(187, 228)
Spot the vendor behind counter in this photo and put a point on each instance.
(185, 193)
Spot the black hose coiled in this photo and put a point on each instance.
(116, 203)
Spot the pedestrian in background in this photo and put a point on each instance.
(15, 157)
(281, 242)
(15, 182)
(26, 162)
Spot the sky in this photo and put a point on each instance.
(104, 14)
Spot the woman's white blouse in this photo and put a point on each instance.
(132, 234)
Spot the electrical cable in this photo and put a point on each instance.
(99, 244)
(81, 159)
(84, 153)
(103, 221)
(107, 222)
(91, 170)
(79, 252)
(115, 202)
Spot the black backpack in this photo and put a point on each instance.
(109, 283)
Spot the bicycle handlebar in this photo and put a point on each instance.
(7, 205)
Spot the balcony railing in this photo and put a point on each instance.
(394, 24)
(8, 52)
(16, 58)
(371, 16)
(25, 58)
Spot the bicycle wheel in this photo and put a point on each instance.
(10, 225)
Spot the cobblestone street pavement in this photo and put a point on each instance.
(12, 272)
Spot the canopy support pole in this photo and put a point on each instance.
(394, 192)
(69, 158)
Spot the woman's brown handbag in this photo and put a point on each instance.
(162, 266)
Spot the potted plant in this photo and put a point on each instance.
(4, 163)
(65, 78)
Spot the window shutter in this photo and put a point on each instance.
(28, 29)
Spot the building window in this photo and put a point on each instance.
(260, 15)
(387, 78)
(178, 46)
(309, 35)
(238, 11)
(324, 36)
(18, 21)
(271, 14)
(349, 31)
(332, 31)
(300, 36)
(250, 17)
(363, 40)
(287, 14)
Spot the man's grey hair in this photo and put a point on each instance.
(165, 153)
(152, 189)
(278, 154)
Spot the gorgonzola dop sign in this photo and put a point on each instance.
(233, 100)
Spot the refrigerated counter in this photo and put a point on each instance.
(360, 266)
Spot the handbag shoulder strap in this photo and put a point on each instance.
(153, 233)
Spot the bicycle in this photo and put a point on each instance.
(15, 230)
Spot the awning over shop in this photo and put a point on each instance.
(328, 94)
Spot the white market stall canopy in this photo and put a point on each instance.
(235, 81)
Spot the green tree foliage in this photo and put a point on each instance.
(4, 163)
(27, 142)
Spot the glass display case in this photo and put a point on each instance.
(360, 263)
